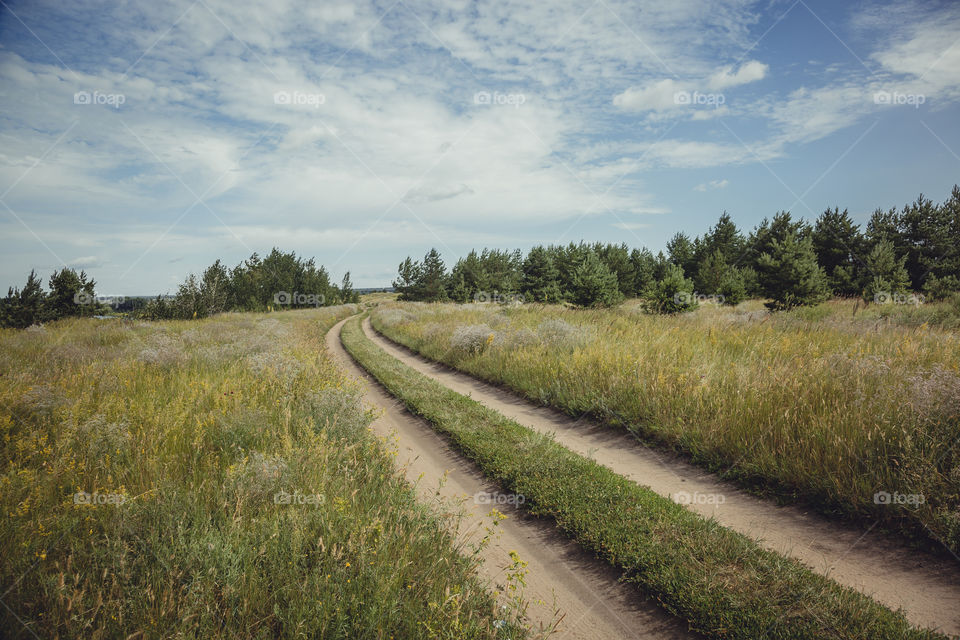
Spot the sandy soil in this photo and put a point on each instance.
(926, 587)
(563, 581)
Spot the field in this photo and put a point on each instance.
(722, 583)
(213, 479)
(853, 411)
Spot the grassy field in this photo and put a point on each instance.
(212, 479)
(854, 411)
(720, 581)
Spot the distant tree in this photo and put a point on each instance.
(761, 239)
(839, 247)
(733, 289)
(348, 295)
(681, 252)
(500, 271)
(712, 272)
(725, 238)
(467, 278)
(935, 288)
(789, 273)
(430, 279)
(644, 268)
(213, 291)
(187, 301)
(593, 284)
(71, 294)
(458, 289)
(23, 307)
(674, 293)
(541, 279)
(887, 274)
(407, 277)
(617, 259)
(568, 259)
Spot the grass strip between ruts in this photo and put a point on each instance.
(721, 582)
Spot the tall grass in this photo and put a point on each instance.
(721, 582)
(835, 408)
(212, 479)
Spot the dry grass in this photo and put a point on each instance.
(822, 404)
(183, 434)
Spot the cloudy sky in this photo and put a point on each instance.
(143, 140)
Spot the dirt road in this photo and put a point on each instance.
(592, 603)
(925, 587)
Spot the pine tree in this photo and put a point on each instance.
(214, 289)
(790, 274)
(346, 290)
(23, 307)
(71, 294)
(541, 279)
(672, 294)
(681, 252)
(725, 238)
(886, 274)
(644, 268)
(431, 285)
(713, 271)
(839, 248)
(593, 284)
(407, 277)
(617, 259)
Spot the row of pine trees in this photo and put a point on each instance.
(279, 280)
(789, 262)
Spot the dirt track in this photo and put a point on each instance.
(563, 577)
(925, 587)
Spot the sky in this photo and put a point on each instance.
(141, 141)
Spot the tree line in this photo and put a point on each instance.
(279, 280)
(789, 262)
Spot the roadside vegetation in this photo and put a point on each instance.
(856, 412)
(213, 479)
(905, 254)
(278, 281)
(723, 583)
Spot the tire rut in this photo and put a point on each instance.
(926, 587)
(563, 579)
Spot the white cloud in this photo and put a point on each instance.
(658, 96)
(713, 184)
(726, 78)
(86, 262)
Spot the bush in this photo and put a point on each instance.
(472, 339)
(672, 294)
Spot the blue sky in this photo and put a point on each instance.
(143, 140)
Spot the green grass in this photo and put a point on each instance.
(724, 584)
(195, 427)
(828, 405)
